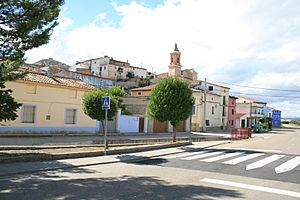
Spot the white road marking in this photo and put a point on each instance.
(260, 150)
(264, 161)
(228, 155)
(243, 158)
(183, 154)
(252, 187)
(288, 165)
(203, 155)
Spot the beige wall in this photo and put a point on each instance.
(51, 101)
(143, 93)
(215, 120)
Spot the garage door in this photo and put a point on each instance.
(160, 127)
(181, 127)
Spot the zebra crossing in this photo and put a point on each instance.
(237, 157)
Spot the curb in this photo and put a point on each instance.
(3, 148)
(132, 160)
(34, 158)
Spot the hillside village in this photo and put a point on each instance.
(51, 97)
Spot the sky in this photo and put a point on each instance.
(237, 43)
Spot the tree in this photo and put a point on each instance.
(171, 100)
(92, 106)
(117, 91)
(24, 24)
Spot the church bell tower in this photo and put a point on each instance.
(175, 66)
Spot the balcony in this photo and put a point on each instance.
(254, 114)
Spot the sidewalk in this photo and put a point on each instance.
(31, 167)
(53, 140)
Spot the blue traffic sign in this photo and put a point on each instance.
(106, 103)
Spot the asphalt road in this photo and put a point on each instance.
(239, 170)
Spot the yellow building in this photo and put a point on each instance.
(49, 104)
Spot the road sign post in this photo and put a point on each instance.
(106, 107)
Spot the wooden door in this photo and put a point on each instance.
(160, 127)
(141, 124)
(180, 127)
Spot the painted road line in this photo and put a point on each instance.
(203, 155)
(264, 161)
(258, 150)
(227, 155)
(183, 154)
(288, 165)
(252, 187)
(243, 158)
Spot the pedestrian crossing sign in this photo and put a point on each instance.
(106, 103)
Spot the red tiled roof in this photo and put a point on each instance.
(238, 115)
(215, 84)
(149, 87)
(202, 91)
(58, 81)
(251, 100)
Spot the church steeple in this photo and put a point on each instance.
(176, 48)
(175, 66)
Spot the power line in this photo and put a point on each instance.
(261, 88)
(295, 97)
(263, 95)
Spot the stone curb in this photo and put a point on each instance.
(3, 148)
(131, 160)
(119, 142)
(47, 157)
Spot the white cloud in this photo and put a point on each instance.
(232, 40)
(286, 53)
(55, 47)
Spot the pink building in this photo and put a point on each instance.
(232, 112)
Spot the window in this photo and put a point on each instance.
(139, 93)
(232, 123)
(213, 110)
(207, 122)
(70, 116)
(210, 88)
(232, 111)
(193, 110)
(28, 114)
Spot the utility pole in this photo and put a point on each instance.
(204, 109)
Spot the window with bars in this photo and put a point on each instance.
(70, 116)
(28, 114)
(193, 110)
(207, 122)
